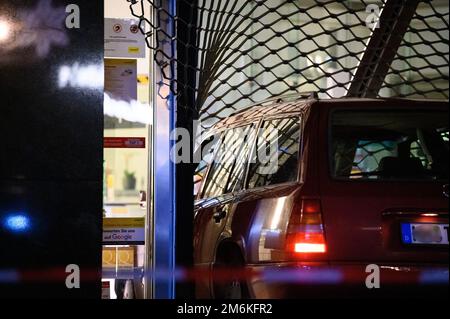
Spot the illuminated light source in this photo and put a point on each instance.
(310, 242)
(309, 248)
(311, 207)
(17, 223)
(5, 30)
(305, 233)
(429, 214)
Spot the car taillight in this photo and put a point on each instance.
(305, 232)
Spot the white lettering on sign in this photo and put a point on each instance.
(123, 235)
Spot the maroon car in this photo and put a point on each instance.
(307, 197)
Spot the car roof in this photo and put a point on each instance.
(281, 106)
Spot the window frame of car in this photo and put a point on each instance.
(381, 109)
(199, 194)
(223, 132)
(301, 118)
(210, 134)
(258, 125)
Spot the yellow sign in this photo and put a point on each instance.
(124, 231)
(120, 62)
(135, 222)
(122, 257)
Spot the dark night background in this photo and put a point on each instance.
(51, 152)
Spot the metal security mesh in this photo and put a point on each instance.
(248, 51)
(277, 47)
(420, 68)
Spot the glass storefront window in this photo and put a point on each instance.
(127, 126)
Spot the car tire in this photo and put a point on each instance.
(231, 287)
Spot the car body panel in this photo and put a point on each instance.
(256, 219)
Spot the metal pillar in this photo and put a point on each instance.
(174, 71)
(382, 48)
(186, 82)
(164, 194)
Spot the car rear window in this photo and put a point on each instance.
(383, 145)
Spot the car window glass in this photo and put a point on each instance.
(205, 156)
(389, 144)
(237, 176)
(231, 156)
(275, 157)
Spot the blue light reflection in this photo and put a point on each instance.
(17, 223)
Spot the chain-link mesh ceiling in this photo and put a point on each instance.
(251, 50)
(420, 68)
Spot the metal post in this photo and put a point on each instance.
(382, 48)
(186, 83)
(164, 206)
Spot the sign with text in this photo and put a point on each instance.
(121, 79)
(106, 287)
(124, 231)
(123, 39)
(124, 142)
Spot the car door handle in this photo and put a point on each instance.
(219, 215)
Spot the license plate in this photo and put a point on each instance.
(424, 233)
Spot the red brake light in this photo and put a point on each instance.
(309, 248)
(310, 206)
(305, 235)
(309, 243)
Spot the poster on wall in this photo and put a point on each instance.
(106, 290)
(124, 231)
(124, 39)
(121, 79)
(124, 142)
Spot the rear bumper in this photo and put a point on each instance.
(317, 280)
